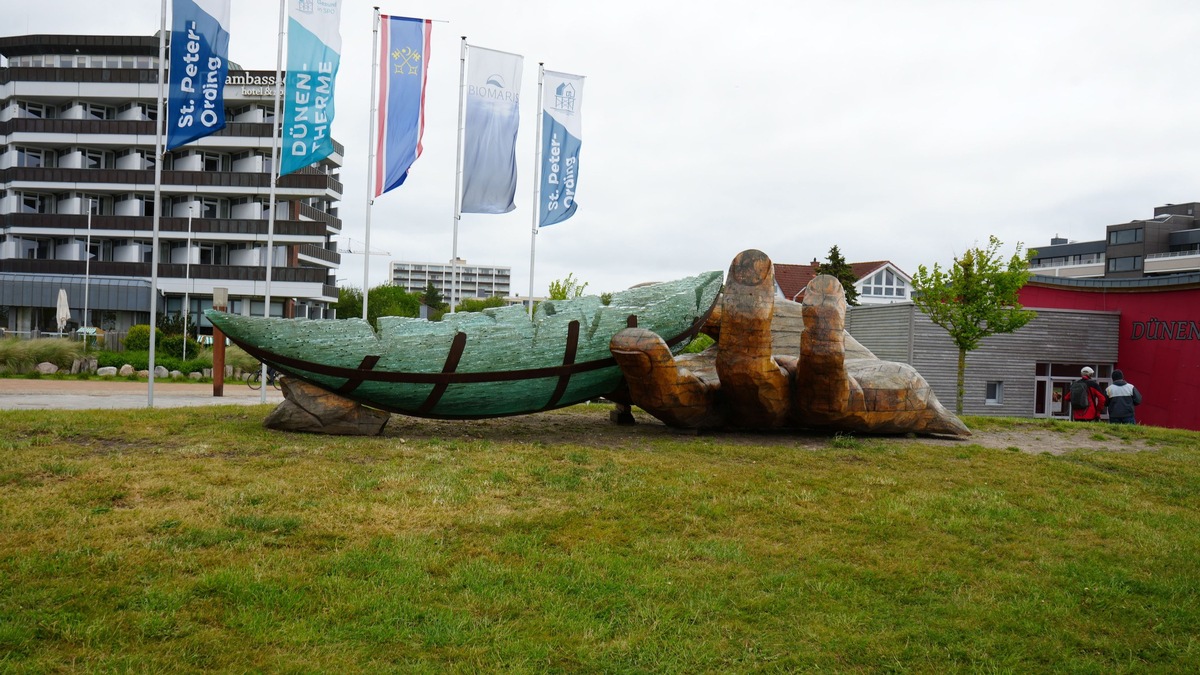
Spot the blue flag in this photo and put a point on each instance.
(490, 134)
(199, 64)
(562, 96)
(314, 54)
(404, 63)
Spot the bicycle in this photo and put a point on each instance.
(255, 379)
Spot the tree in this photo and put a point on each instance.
(432, 297)
(382, 300)
(564, 289)
(838, 267)
(349, 304)
(479, 304)
(974, 298)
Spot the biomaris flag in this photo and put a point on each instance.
(493, 86)
(404, 55)
(562, 96)
(314, 53)
(199, 63)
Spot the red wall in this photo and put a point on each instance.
(1159, 346)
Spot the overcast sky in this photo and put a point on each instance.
(899, 130)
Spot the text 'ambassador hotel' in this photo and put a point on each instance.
(77, 132)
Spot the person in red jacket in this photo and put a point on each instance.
(1087, 397)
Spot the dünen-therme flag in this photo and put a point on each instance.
(199, 63)
(404, 55)
(314, 53)
(562, 96)
(490, 134)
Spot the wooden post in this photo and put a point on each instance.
(221, 304)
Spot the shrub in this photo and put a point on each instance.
(173, 345)
(138, 338)
(19, 356)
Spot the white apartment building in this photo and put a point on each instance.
(77, 174)
(474, 281)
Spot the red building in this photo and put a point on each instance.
(1159, 342)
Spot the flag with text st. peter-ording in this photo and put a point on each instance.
(493, 87)
(314, 54)
(199, 64)
(404, 62)
(562, 96)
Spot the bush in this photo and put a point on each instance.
(140, 360)
(172, 345)
(138, 338)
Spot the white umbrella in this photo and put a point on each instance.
(63, 314)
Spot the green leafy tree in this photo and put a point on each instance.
(565, 289)
(391, 300)
(836, 266)
(349, 304)
(433, 298)
(479, 304)
(974, 298)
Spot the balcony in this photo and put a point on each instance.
(1171, 263)
(312, 275)
(1077, 271)
(174, 181)
(145, 224)
(320, 254)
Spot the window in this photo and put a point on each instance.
(31, 157)
(995, 393)
(1131, 236)
(97, 159)
(1125, 264)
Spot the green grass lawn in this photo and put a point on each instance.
(196, 540)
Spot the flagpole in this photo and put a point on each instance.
(458, 172)
(187, 278)
(537, 182)
(276, 134)
(87, 272)
(159, 125)
(372, 126)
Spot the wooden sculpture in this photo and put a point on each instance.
(823, 380)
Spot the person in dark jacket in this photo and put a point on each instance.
(1122, 397)
(1087, 397)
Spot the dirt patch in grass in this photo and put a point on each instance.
(589, 425)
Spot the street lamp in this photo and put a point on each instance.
(187, 281)
(87, 269)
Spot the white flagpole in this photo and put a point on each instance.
(458, 172)
(87, 272)
(372, 126)
(275, 141)
(537, 181)
(159, 126)
(187, 278)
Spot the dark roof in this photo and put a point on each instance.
(106, 45)
(1166, 282)
(793, 279)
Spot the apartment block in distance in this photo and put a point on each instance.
(77, 174)
(474, 281)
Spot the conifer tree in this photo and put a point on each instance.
(838, 267)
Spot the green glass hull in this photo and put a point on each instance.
(477, 364)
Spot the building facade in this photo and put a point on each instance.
(1023, 374)
(1168, 243)
(474, 281)
(77, 175)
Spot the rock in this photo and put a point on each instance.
(126, 370)
(207, 372)
(46, 368)
(196, 376)
(311, 409)
(160, 373)
(144, 374)
(175, 374)
(107, 371)
(76, 366)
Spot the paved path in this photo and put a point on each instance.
(18, 394)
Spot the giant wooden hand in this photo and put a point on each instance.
(829, 382)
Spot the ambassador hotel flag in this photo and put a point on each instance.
(493, 87)
(314, 53)
(404, 53)
(199, 64)
(562, 96)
